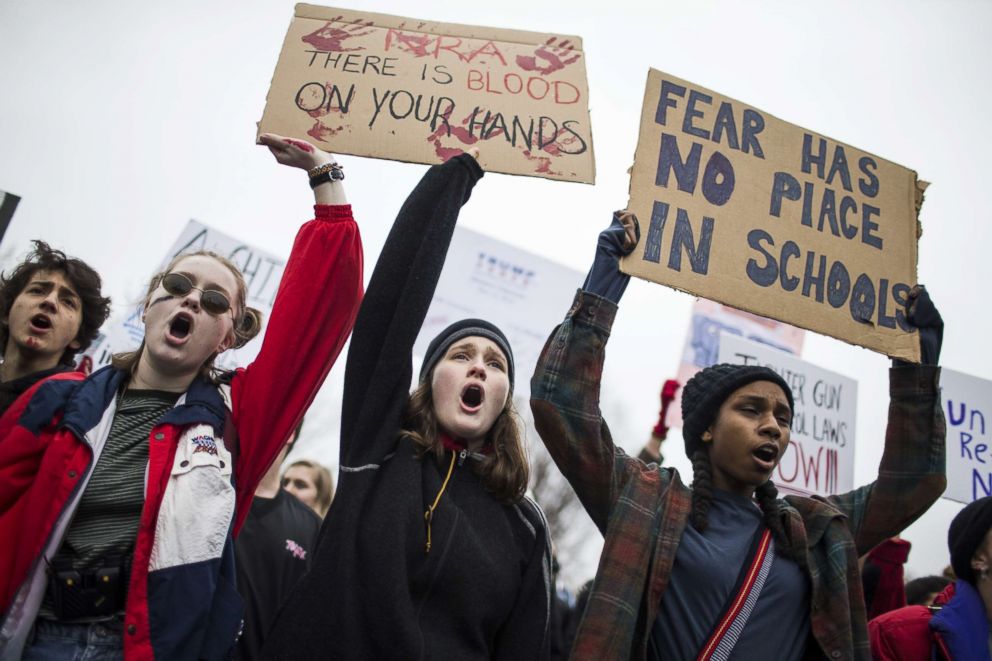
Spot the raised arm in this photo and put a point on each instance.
(911, 475)
(314, 311)
(566, 384)
(378, 371)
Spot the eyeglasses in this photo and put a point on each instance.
(212, 300)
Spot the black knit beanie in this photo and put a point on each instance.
(966, 533)
(704, 393)
(462, 329)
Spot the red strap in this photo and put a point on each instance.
(739, 600)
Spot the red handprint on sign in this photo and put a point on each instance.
(330, 38)
(463, 132)
(320, 131)
(555, 56)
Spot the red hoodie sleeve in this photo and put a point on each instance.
(314, 311)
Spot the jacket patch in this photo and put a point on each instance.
(198, 504)
(204, 444)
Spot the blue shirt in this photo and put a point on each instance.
(703, 576)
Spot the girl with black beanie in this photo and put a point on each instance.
(430, 549)
(725, 569)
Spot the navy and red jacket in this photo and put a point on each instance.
(205, 458)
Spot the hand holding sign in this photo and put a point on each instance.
(923, 314)
(617, 240)
(295, 153)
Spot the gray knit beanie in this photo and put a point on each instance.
(462, 329)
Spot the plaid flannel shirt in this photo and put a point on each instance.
(642, 509)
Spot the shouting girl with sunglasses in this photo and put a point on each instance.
(120, 493)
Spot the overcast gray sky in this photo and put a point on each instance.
(119, 121)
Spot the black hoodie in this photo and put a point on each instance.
(373, 592)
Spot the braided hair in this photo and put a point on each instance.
(766, 496)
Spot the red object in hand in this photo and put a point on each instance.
(668, 391)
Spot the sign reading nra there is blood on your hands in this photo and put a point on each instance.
(411, 90)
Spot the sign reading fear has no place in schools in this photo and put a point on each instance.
(740, 207)
(411, 90)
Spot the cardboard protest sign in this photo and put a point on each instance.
(522, 293)
(743, 208)
(262, 272)
(411, 90)
(8, 203)
(820, 456)
(967, 402)
(709, 322)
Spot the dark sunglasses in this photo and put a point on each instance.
(212, 300)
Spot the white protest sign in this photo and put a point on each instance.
(702, 343)
(820, 456)
(262, 272)
(523, 294)
(966, 401)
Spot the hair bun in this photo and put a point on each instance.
(248, 327)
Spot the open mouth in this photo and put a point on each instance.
(472, 397)
(180, 326)
(41, 322)
(766, 453)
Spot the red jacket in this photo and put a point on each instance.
(955, 628)
(201, 472)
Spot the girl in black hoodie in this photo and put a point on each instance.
(430, 549)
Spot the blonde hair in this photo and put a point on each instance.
(322, 480)
(504, 472)
(247, 320)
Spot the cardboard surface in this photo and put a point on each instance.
(967, 403)
(524, 294)
(411, 90)
(740, 207)
(262, 272)
(820, 456)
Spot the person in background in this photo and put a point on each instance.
(651, 452)
(311, 483)
(273, 552)
(431, 549)
(726, 569)
(957, 627)
(52, 309)
(121, 492)
(922, 591)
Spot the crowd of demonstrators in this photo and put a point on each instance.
(957, 626)
(120, 492)
(430, 549)
(725, 567)
(272, 552)
(143, 515)
(52, 309)
(312, 483)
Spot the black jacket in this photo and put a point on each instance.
(373, 592)
(11, 390)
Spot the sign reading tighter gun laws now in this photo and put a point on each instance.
(411, 90)
(740, 207)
